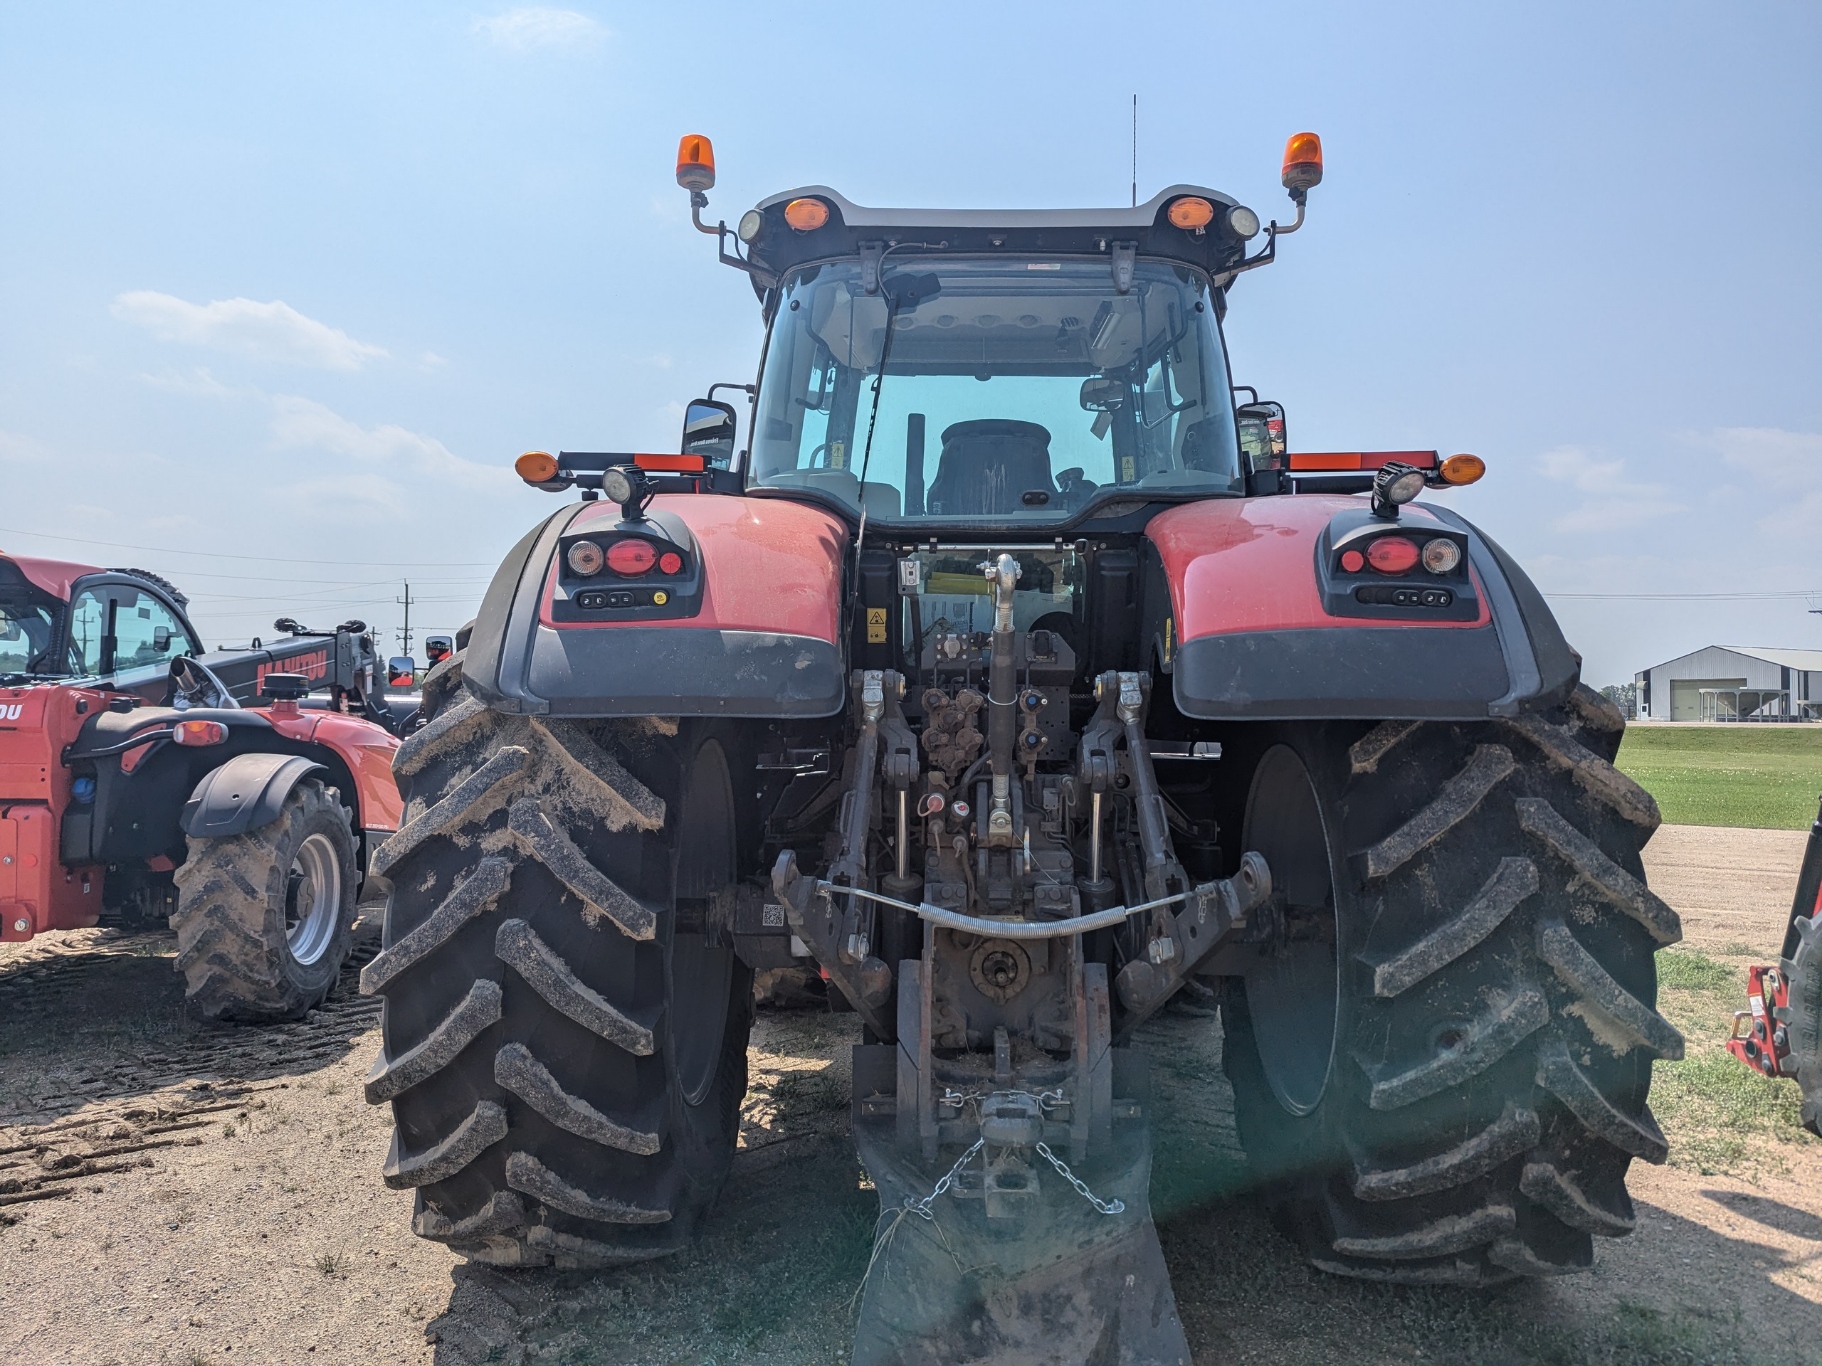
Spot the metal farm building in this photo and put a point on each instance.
(1733, 683)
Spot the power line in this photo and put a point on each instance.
(1681, 597)
(265, 559)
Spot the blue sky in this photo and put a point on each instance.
(284, 288)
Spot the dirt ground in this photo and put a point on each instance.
(175, 1192)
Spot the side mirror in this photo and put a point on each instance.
(1103, 393)
(1262, 437)
(438, 648)
(401, 671)
(708, 431)
(161, 639)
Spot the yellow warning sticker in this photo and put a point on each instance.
(1127, 469)
(876, 626)
(1170, 637)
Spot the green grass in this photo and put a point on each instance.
(1764, 777)
(1719, 1115)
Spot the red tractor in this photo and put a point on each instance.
(1780, 1032)
(1012, 675)
(138, 778)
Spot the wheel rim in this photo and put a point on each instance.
(313, 899)
(1293, 996)
(701, 976)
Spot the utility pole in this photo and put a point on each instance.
(405, 631)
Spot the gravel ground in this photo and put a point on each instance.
(177, 1192)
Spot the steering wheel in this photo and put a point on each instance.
(194, 684)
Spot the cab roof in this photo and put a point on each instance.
(777, 248)
(51, 576)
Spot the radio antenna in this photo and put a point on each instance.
(1135, 150)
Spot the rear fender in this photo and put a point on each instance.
(760, 638)
(1250, 626)
(245, 793)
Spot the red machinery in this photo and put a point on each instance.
(134, 780)
(1780, 1034)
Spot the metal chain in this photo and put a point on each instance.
(1081, 1187)
(921, 1208)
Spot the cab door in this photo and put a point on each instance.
(126, 635)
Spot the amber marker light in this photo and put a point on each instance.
(1302, 162)
(199, 733)
(1462, 469)
(696, 163)
(806, 215)
(536, 467)
(1190, 212)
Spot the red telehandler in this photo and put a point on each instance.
(1780, 1034)
(143, 778)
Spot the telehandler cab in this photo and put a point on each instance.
(1012, 674)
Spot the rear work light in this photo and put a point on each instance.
(199, 733)
(631, 557)
(1393, 554)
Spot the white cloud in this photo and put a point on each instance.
(1612, 501)
(21, 450)
(531, 27)
(304, 423)
(272, 331)
(1785, 465)
(197, 384)
(349, 498)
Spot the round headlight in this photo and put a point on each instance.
(585, 558)
(750, 223)
(1441, 555)
(617, 484)
(1243, 223)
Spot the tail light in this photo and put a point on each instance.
(1393, 554)
(670, 562)
(199, 733)
(631, 557)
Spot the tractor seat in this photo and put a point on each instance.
(987, 466)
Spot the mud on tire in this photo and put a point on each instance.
(564, 1053)
(264, 919)
(1803, 969)
(1489, 944)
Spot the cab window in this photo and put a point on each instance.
(88, 624)
(146, 633)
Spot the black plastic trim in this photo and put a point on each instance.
(681, 671)
(1329, 672)
(244, 794)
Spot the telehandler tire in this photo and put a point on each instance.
(564, 1044)
(264, 919)
(1441, 1075)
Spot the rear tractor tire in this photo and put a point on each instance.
(564, 1048)
(1441, 1073)
(1803, 969)
(264, 919)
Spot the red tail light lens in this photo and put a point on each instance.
(1393, 554)
(632, 557)
(200, 733)
(1352, 561)
(671, 562)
